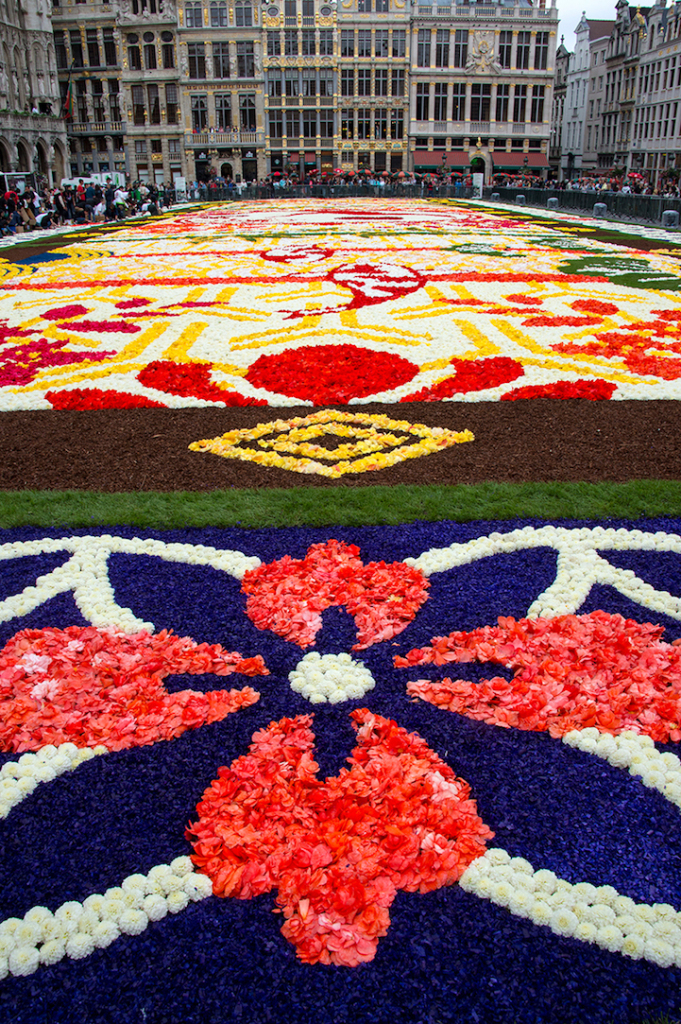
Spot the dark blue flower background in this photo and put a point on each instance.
(448, 956)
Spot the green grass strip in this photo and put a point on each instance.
(352, 506)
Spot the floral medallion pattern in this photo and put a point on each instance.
(494, 788)
(338, 302)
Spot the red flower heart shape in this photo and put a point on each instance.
(337, 851)
(288, 596)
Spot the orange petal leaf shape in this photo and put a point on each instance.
(337, 850)
(93, 686)
(571, 672)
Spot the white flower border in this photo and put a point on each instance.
(598, 915)
(579, 567)
(75, 930)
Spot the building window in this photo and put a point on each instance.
(522, 53)
(193, 17)
(326, 42)
(76, 48)
(503, 94)
(174, 147)
(541, 51)
(381, 42)
(347, 123)
(364, 42)
(537, 105)
(505, 48)
(423, 49)
(93, 48)
(199, 105)
(273, 44)
(291, 9)
(276, 120)
(308, 40)
(172, 109)
(274, 83)
(440, 101)
(381, 81)
(458, 101)
(347, 82)
(364, 6)
(442, 48)
(519, 104)
(168, 55)
(309, 82)
(396, 125)
(461, 48)
(114, 99)
(398, 81)
(154, 104)
(98, 100)
(292, 124)
(422, 101)
(150, 57)
(347, 42)
(292, 82)
(134, 58)
(325, 82)
(221, 60)
(140, 147)
(245, 59)
(381, 123)
(60, 50)
(218, 15)
(382, 6)
(156, 146)
(139, 113)
(399, 42)
(481, 98)
(243, 15)
(364, 82)
(363, 123)
(197, 60)
(291, 43)
(309, 124)
(326, 124)
(223, 112)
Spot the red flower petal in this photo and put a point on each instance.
(339, 850)
(595, 390)
(325, 374)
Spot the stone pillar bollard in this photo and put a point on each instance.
(552, 203)
(670, 219)
(600, 210)
(495, 197)
(520, 200)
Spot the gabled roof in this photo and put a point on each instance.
(599, 29)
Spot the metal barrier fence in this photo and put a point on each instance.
(642, 209)
(330, 191)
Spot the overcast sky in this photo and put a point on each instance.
(570, 12)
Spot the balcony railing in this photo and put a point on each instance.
(226, 139)
(479, 126)
(96, 127)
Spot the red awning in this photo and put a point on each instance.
(424, 158)
(517, 160)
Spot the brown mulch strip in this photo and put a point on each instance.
(535, 440)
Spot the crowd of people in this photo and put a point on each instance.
(84, 203)
(628, 185)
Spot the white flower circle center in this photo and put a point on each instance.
(330, 678)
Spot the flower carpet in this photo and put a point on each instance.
(442, 781)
